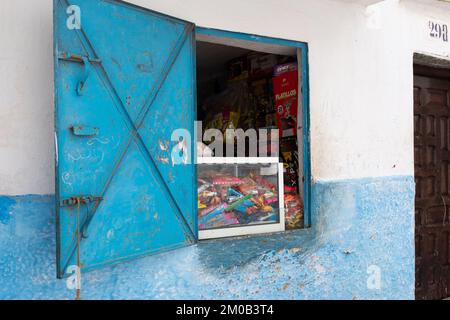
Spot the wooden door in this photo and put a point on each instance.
(432, 176)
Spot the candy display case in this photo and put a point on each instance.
(239, 196)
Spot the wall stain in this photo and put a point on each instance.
(6, 209)
(301, 264)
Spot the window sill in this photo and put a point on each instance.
(235, 251)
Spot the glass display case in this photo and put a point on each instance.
(239, 196)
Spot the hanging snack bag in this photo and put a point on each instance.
(224, 110)
(285, 88)
(289, 157)
(294, 216)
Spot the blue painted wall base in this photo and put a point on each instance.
(356, 224)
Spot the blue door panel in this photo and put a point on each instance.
(170, 111)
(84, 163)
(132, 71)
(65, 40)
(123, 83)
(133, 220)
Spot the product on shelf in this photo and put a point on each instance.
(260, 95)
(293, 204)
(261, 64)
(237, 68)
(223, 111)
(289, 157)
(226, 180)
(271, 119)
(226, 200)
(285, 88)
(293, 211)
(269, 145)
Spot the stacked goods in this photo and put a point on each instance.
(228, 109)
(225, 200)
(289, 157)
(285, 88)
(223, 111)
(293, 211)
(292, 202)
(237, 68)
(261, 64)
(260, 95)
(248, 101)
(268, 146)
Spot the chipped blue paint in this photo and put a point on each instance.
(357, 223)
(6, 204)
(137, 93)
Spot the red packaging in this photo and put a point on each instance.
(226, 180)
(285, 88)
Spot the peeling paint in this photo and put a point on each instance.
(162, 146)
(302, 264)
(144, 68)
(163, 160)
(6, 205)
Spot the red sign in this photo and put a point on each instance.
(285, 88)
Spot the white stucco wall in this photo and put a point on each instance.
(26, 101)
(361, 78)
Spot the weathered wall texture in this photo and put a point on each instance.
(26, 98)
(360, 74)
(358, 224)
(361, 78)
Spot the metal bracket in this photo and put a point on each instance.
(77, 201)
(73, 201)
(86, 61)
(77, 58)
(82, 82)
(84, 131)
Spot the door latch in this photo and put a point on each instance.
(86, 61)
(73, 201)
(86, 131)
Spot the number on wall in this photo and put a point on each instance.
(438, 31)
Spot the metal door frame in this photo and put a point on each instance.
(303, 47)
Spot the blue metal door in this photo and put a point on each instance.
(124, 82)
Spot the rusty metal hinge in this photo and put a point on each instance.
(86, 61)
(77, 58)
(73, 201)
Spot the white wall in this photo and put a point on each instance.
(361, 78)
(26, 97)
